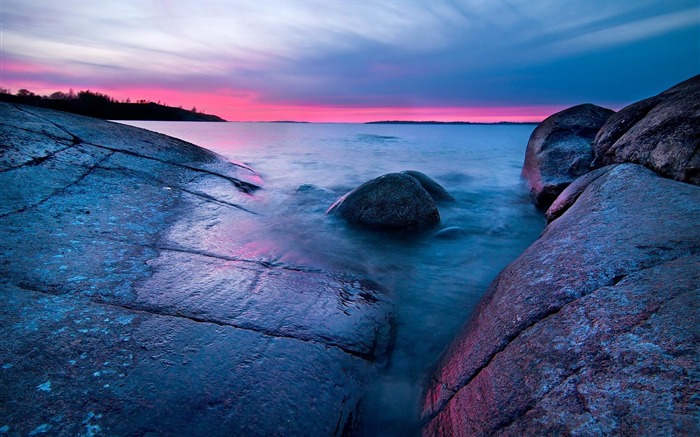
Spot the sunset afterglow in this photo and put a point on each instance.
(354, 61)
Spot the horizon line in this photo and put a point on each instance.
(458, 122)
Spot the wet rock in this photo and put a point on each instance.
(570, 194)
(394, 201)
(450, 233)
(593, 330)
(661, 133)
(436, 191)
(560, 150)
(154, 313)
(313, 198)
(313, 189)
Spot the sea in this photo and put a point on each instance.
(434, 282)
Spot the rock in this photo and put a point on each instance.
(154, 313)
(560, 150)
(661, 133)
(451, 233)
(570, 194)
(394, 201)
(436, 191)
(593, 330)
(311, 188)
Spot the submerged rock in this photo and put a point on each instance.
(450, 233)
(394, 201)
(593, 330)
(560, 150)
(153, 313)
(661, 133)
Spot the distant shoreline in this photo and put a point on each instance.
(397, 122)
(449, 122)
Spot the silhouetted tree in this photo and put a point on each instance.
(25, 93)
(59, 95)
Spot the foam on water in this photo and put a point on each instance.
(435, 282)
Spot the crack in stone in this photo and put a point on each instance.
(59, 191)
(36, 160)
(205, 196)
(75, 138)
(267, 264)
(366, 356)
(514, 336)
(243, 186)
(577, 371)
(46, 134)
(213, 199)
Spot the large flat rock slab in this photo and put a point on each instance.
(134, 303)
(593, 330)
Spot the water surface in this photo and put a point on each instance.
(434, 282)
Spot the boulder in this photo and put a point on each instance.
(395, 201)
(593, 330)
(436, 191)
(661, 133)
(560, 150)
(135, 303)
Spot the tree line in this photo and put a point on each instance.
(100, 105)
(83, 95)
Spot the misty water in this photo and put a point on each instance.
(435, 283)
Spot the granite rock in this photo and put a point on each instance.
(395, 201)
(593, 330)
(560, 150)
(661, 133)
(134, 302)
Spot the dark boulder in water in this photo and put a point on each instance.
(560, 150)
(661, 133)
(394, 201)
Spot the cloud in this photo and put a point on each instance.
(442, 53)
(629, 32)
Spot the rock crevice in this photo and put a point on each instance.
(593, 330)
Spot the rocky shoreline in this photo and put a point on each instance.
(133, 305)
(130, 306)
(594, 329)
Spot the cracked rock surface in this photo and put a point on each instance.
(133, 304)
(593, 330)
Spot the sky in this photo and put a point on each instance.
(354, 60)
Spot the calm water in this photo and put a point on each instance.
(434, 282)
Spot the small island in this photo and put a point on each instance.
(99, 105)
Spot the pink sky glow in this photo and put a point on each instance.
(245, 106)
(323, 61)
